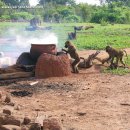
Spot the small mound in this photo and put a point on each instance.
(52, 66)
(25, 59)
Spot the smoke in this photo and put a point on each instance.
(20, 41)
(46, 38)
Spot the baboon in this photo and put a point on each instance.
(78, 28)
(87, 27)
(73, 54)
(35, 22)
(72, 35)
(87, 63)
(114, 53)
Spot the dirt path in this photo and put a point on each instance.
(87, 101)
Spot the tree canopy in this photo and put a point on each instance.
(62, 2)
(110, 11)
(16, 2)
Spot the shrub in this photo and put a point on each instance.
(21, 15)
(103, 22)
(5, 17)
(72, 18)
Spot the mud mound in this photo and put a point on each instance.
(52, 66)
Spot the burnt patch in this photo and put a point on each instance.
(21, 93)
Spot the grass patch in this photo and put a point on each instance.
(101, 36)
(118, 71)
(96, 38)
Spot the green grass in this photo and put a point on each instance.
(119, 71)
(97, 38)
(117, 35)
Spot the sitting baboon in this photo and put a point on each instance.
(35, 22)
(87, 63)
(72, 35)
(73, 54)
(114, 53)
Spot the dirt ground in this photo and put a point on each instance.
(90, 100)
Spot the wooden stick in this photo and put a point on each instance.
(16, 75)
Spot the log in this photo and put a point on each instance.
(16, 75)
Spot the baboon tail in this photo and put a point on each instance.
(125, 53)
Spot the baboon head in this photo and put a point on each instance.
(108, 48)
(67, 44)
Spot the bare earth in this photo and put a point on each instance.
(90, 100)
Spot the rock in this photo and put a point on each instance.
(6, 111)
(25, 59)
(0, 95)
(9, 127)
(9, 120)
(10, 103)
(24, 128)
(81, 113)
(26, 120)
(51, 124)
(35, 126)
(52, 66)
(1, 119)
(7, 99)
(17, 107)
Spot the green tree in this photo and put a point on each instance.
(24, 2)
(124, 2)
(62, 2)
(84, 11)
(11, 2)
(16, 2)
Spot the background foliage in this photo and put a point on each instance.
(110, 11)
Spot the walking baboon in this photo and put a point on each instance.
(114, 53)
(73, 54)
(87, 63)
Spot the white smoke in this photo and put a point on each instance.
(24, 42)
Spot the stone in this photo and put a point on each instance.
(9, 127)
(26, 120)
(0, 95)
(10, 104)
(9, 120)
(17, 107)
(6, 111)
(51, 124)
(7, 99)
(35, 126)
(24, 128)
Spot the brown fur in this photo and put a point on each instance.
(87, 63)
(114, 53)
(73, 54)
